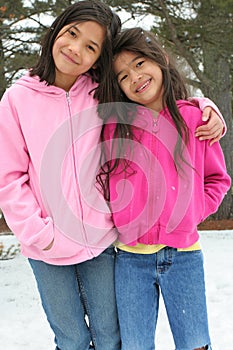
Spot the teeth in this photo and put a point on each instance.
(143, 86)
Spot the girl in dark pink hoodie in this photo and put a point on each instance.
(160, 181)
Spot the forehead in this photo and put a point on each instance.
(125, 59)
(90, 30)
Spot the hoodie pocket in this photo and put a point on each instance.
(64, 247)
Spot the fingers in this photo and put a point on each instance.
(206, 114)
(205, 133)
(49, 246)
(208, 131)
(213, 129)
(216, 139)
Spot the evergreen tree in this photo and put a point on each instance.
(22, 24)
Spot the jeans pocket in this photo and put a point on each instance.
(120, 252)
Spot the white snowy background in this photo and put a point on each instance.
(23, 325)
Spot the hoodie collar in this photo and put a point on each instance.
(35, 84)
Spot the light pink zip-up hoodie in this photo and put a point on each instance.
(49, 160)
(152, 202)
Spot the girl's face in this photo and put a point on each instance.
(140, 79)
(76, 50)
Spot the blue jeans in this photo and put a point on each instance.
(69, 293)
(179, 276)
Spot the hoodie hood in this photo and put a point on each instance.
(34, 83)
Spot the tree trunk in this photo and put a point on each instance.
(219, 71)
(2, 72)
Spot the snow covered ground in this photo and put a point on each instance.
(23, 325)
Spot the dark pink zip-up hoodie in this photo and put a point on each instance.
(153, 203)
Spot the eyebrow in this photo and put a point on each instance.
(93, 42)
(133, 60)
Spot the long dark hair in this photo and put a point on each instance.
(81, 11)
(144, 43)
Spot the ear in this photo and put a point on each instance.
(94, 66)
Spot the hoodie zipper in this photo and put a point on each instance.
(75, 168)
(154, 151)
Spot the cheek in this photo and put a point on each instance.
(125, 88)
(87, 62)
(55, 49)
(93, 60)
(160, 76)
(58, 43)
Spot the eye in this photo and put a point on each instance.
(91, 48)
(140, 63)
(122, 78)
(72, 33)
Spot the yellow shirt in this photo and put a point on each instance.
(154, 248)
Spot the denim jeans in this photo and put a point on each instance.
(69, 293)
(179, 277)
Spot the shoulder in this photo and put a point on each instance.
(188, 106)
(22, 90)
(11, 92)
(84, 84)
(190, 113)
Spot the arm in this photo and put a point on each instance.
(21, 209)
(215, 127)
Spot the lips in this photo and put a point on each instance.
(143, 86)
(68, 58)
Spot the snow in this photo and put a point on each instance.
(23, 325)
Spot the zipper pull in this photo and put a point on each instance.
(68, 97)
(155, 126)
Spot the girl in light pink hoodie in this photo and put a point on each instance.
(48, 125)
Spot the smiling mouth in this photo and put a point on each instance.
(144, 86)
(68, 58)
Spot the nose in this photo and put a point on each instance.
(75, 48)
(135, 76)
